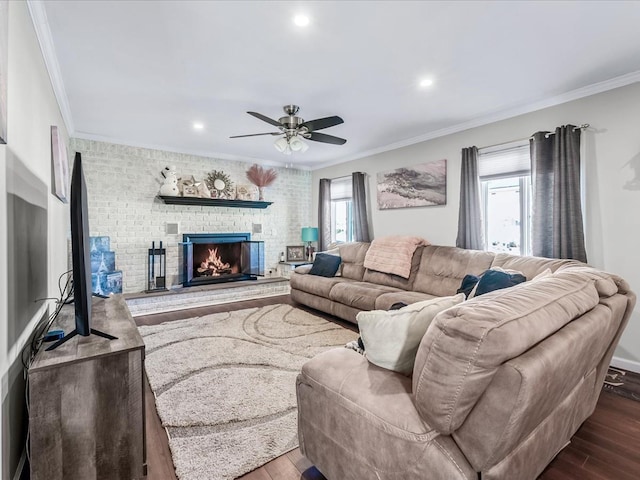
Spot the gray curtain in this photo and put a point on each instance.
(557, 228)
(324, 214)
(360, 222)
(470, 216)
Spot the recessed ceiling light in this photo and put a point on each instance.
(198, 126)
(301, 20)
(426, 82)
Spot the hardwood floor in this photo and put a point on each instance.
(606, 447)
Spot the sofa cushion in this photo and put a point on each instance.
(384, 394)
(360, 295)
(325, 265)
(443, 268)
(352, 255)
(466, 344)
(530, 266)
(384, 301)
(314, 284)
(391, 338)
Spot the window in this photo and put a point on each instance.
(505, 176)
(341, 210)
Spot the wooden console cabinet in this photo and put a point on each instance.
(86, 401)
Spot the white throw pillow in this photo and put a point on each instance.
(543, 274)
(391, 338)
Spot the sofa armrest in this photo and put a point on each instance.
(357, 420)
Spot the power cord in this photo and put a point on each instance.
(37, 336)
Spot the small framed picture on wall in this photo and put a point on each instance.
(295, 253)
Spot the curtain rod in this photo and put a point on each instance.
(579, 127)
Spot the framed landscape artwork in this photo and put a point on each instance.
(60, 166)
(421, 185)
(296, 253)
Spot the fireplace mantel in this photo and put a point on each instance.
(213, 202)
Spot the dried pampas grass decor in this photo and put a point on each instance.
(261, 178)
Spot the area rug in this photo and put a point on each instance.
(225, 385)
(623, 383)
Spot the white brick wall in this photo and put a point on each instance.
(122, 184)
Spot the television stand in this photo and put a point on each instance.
(86, 401)
(73, 333)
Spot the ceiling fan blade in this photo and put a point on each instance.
(320, 123)
(273, 122)
(324, 138)
(256, 134)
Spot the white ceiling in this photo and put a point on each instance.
(141, 72)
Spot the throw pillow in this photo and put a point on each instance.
(325, 265)
(392, 337)
(303, 269)
(543, 274)
(331, 251)
(468, 284)
(496, 280)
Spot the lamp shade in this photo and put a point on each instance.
(281, 144)
(297, 145)
(309, 234)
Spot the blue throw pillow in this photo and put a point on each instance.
(325, 265)
(468, 282)
(495, 280)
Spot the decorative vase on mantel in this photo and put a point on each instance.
(261, 178)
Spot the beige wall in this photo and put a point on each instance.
(612, 219)
(31, 110)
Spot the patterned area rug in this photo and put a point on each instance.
(623, 383)
(225, 385)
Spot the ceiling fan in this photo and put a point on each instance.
(294, 127)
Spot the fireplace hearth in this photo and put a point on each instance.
(221, 257)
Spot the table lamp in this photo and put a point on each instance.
(309, 235)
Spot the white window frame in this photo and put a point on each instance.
(341, 187)
(499, 170)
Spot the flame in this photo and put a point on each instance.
(213, 263)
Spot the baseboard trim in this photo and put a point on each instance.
(625, 364)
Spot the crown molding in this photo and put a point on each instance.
(43, 33)
(199, 153)
(576, 94)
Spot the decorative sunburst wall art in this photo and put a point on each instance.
(422, 185)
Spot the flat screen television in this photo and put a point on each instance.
(81, 258)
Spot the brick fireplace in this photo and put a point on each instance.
(221, 257)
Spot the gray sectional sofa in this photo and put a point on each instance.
(500, 384)
(436, 271)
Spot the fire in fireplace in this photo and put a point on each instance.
(221, 257)
(213, 263)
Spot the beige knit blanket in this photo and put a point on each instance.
(393, 254)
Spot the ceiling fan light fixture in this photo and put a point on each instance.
(297, 145)
(281, 145)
